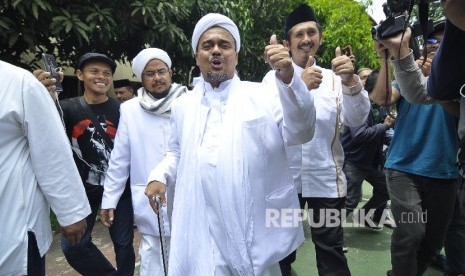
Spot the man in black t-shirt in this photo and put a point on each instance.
(91, 122)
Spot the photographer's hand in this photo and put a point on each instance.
(398, 46)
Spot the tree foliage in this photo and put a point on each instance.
(121, 28)
(345, 23)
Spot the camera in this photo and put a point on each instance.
(396, 19)
(51, 66)
(391, 27)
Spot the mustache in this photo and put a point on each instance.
(215, 58)
(305, 44)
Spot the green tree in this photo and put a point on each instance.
(121, 28)
(345, 23)
(118, 28)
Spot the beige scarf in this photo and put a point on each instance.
(161, 107)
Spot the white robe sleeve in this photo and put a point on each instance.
(51, 155)
(355, 105)
(119, 165)
(165, 171)
(298, 112)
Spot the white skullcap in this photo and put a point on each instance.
(146, 55)
(211, 20)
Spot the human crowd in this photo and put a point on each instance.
(198, 170)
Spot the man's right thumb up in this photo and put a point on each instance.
(310, 62)
(273, 40)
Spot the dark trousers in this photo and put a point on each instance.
(86, 258)
(355, 177)
(455, 238)
(422, 208)
(35, 263)
(328, 241)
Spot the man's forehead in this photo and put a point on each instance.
(305, 25)
(95, 64)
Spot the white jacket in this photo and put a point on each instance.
(317, 165)
(251, 151)
(140, 143)
(37, 169)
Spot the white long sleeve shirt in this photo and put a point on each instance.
(232, 166)
(316, 166)
(140, 144)
(36, 169)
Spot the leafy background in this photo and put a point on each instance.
(121, 28)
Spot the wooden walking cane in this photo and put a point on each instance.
(161, 232)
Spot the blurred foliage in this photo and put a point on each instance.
(345, 23)
(121, 28)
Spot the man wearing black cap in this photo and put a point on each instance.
(91, 122)
(317, 165)
(123, 90)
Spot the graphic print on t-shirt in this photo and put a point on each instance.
(89, 144)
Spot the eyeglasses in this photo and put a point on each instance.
(161, 73)
(433, 41)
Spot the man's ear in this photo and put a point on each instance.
(195, 57)
(79, 75)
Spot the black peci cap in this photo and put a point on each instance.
(121, 83)
(302, 13)
(96, 57)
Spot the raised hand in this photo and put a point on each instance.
(342, 66)
(46, 79)
(425, 66)
(311, 76)
(279, 59)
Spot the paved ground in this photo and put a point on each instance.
(368, 252)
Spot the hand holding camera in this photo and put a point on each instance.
(54, 70)
(398, 46)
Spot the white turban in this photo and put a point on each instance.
(211, 20)
(146, 55)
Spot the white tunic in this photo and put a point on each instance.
(140, 144)
(317, 165)
(232, 168)
(36, 169)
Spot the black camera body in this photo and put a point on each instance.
(392, 26)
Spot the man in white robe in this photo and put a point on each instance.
(317, 165)
(141, 142)
(226, 154)
(36, 171)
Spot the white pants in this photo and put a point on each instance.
(151, 262)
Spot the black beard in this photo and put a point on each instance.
(217, 77)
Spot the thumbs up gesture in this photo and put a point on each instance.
(311, 75)
(279, 59)
(342, 66)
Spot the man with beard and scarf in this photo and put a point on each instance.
(141, 142)
(226, 156)
(317, 165)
